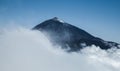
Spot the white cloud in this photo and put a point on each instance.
(25, 50)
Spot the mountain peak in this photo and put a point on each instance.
(69, 36)
(57, 19)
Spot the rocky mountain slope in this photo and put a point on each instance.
(71, 37)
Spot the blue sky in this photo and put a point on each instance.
(99, 17)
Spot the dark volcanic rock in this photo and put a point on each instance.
(66, 35)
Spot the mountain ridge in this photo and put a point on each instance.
(70, 36)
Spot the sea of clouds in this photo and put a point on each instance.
(22, 49)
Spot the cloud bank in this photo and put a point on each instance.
(24, 50)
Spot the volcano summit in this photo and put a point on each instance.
(72, 37)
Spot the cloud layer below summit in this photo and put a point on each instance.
(24, 50)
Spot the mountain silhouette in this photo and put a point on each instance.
(71, 37)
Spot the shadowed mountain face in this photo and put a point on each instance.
(69, 36)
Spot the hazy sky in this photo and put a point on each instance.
(99, 17)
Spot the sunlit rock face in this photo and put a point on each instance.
(71, 37)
